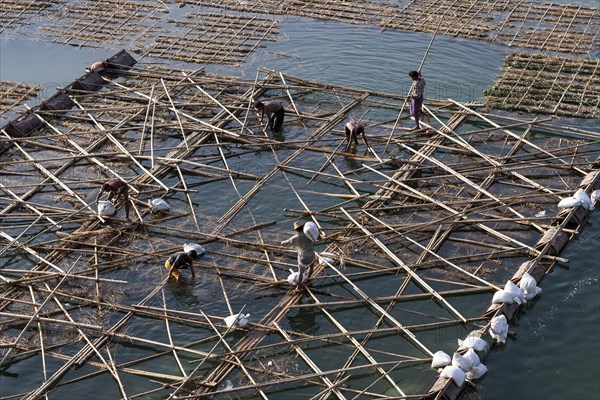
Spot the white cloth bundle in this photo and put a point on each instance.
(595, 197)
(529, 286)
(106, 208)
(499, 328)
(158, 205)
(293, 278)
(454, 373)
(311, 230)
(187, 247)
(440, 359)
(236, 320)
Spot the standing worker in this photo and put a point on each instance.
(181, 260)
(274, 111)
(353, 129)
(416, 93)
(306, 253)
(116, 188)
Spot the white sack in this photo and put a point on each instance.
(293, 278)
(499, 328)
(502, 297)
(476, 372)
(516, 293)
(187, 247)
(236, 320)
(585, 200)
(595, 197)
(529, 286)
(158, 205)
(473, 357)
(440, 359)
(472, 341)
(311, 230)
(106, 208)
(454, 373)
(461, 362)
(569, 202)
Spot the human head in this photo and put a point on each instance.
(298, 225)
(414, 74)
(192, 254)
(259, 105)
(106, 187)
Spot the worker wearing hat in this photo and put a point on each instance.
(306, 253)
(179, 261)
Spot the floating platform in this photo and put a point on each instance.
(421, 229)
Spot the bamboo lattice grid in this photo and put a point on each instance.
(12, 94)
(419, 237)
(537, 83)
(17, 13)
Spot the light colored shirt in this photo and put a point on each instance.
(304, 246)
(418, 88)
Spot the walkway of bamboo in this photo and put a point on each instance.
(419, 236)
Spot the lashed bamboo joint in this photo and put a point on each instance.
(418, 238)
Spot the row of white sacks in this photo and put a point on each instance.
(468, 366)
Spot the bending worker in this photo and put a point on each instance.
(274, 111)
(179, 261)
(353, 129)
(116, 188)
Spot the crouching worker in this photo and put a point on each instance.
(116, 188)
(179, 261)
(353, 130)
(274, 112)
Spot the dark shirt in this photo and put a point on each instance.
(180, 261)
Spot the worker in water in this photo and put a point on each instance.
(306, 254)
(274, 111)
(354, 129)
(416, 94)
(116, 188)
(181, 260)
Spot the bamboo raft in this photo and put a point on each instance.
(419, 235)
(13, 94)
(536, 83)
(541, 26)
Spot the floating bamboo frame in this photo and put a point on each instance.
(417, 237)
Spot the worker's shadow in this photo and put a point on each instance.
(183, 290)
(351, 161)
(305, 320)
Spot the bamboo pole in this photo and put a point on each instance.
(411, 87)
(409, 271)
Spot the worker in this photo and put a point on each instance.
(417, 91)
(274, 111)
(97, 65)
(116, 188)
(353, 129)
(306, 254)
(181, 260)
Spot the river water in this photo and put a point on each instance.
(554, 352)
